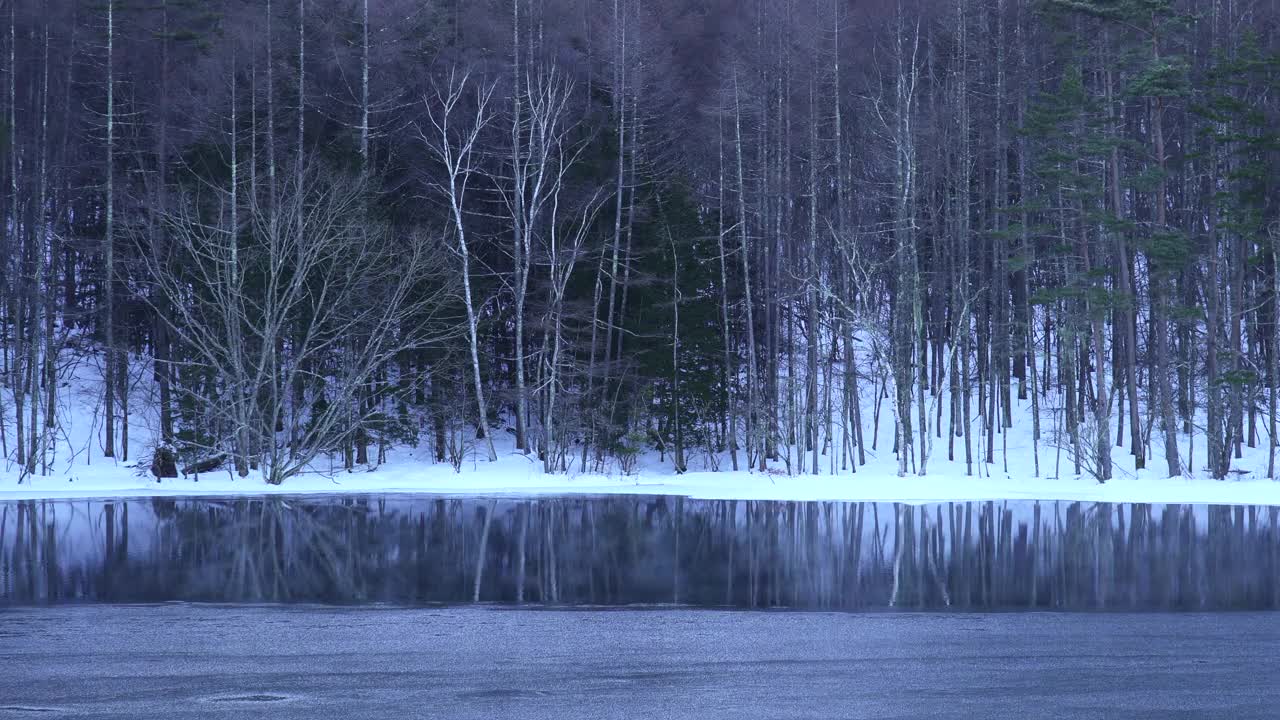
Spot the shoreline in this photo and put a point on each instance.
(697, 485)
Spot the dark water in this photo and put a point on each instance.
(629, 550)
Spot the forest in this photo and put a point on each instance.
(773, 235)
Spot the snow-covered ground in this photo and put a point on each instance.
(517, 475)
(79, 470)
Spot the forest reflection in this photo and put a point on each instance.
(631, 549)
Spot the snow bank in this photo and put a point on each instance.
(519, 475)
(1022, 469)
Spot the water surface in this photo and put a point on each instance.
(624, 550)
(463, 663)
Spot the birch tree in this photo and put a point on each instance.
(453, 139)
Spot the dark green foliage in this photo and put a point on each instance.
(671, 219)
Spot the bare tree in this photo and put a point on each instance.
(729, 370)
(755, 434)
(539, 134)
(563, 253)
(453, 139)
(270, 304)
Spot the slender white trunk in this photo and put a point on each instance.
(1274, 370)
(677, 456)
(40, 372)
(108, 271)
(811, 404)
(619, 90)
(729, 371)
(457, 157)
(271, 125)
(472, 330)
(745, 250)
(520, 244)
(364, 88)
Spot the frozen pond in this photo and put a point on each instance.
(200, 661)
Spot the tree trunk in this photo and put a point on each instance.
(728, 370)
(752, 418)
(1161, 352)
(108, 252)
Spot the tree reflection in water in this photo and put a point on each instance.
(629, 549)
